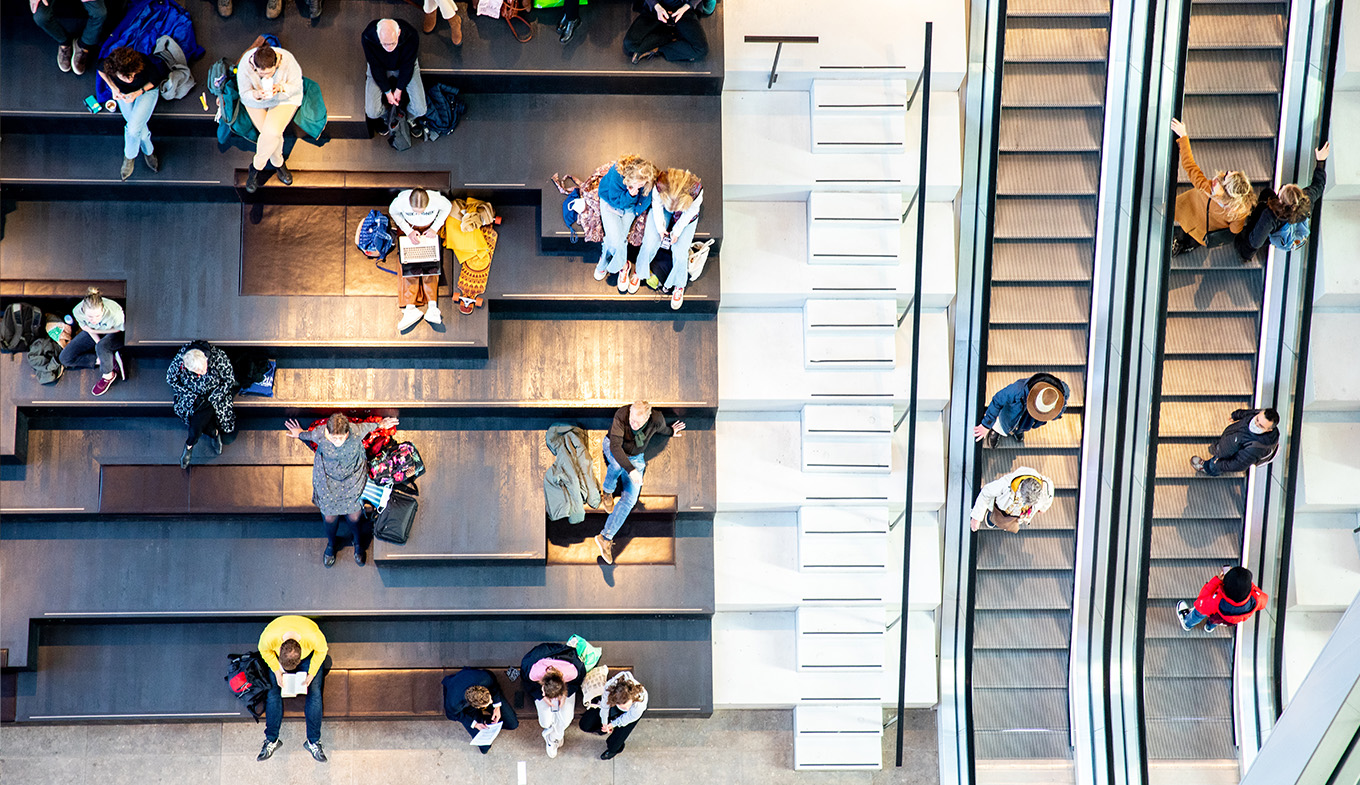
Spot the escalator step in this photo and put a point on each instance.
(1004, 589)
(1061, 434)
(1023, 668)
(1016, 8)
(1213, 335)
(1024, 629)
(1053, 85)
(1061, 469)
(1230, 376)
(1173, 458)
(1214, 291)
(1234, 72)
(1047, 174)
(1200, 740)
(1178, 697)
(1034, 550)
(1052, 304)
(1237, 26)
(1049, 130)
(1069, 260)
(1161, 621)
(1062, 515)
(1044, 219)
(1075, 40)
(1021, 745)
(1020, 709)
(1224, 257)
(1206, 418)
(1180, 579)
(1201, 657)
(1253, 157)
(1195, 538)
(1198, 497)
(1041, 347)
(1076, 383)
(1232, 116)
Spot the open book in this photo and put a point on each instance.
(293, 684)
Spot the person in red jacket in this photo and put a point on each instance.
(1227, 599)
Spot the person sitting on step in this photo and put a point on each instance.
(552, 674)
(669, 28)
(1012, 501)
(204, 383)
(447, 9)
(270, 81)
(272, 9)
(420, 214)
(393, 71)
(671, 223)
(294, 644)
(71, 60)
(625, 460)
(135, 80)
(1022, 406)
(473, 699)
(100, 338)
(625, 193)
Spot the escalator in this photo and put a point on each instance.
(1039, 294)
(1233, 74)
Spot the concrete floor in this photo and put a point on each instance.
(730, 747)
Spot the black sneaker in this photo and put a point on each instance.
(269, 748)
(314, 747)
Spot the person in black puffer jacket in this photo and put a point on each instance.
(1250, 440)
(205, 385)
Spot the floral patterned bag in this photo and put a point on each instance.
(399, 464)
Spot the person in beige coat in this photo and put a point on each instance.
(1210, 205)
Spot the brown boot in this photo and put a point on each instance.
(273, 8)
(456, 29)
(428, 24)
(606, 548)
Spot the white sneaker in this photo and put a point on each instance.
(1182, 611)
(601, 271)
(552, 748)
(409, 316)
(432, 315)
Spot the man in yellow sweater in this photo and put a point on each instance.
(293, 644)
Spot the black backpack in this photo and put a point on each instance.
(250, 681)
(21, 324)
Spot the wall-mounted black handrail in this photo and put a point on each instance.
(780, 40)
(914, 375)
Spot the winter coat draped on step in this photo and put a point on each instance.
(570, 484)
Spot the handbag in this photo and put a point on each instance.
(398, 464)
(399, 130)
(518, 11)
(592, 686)
(376, 494)
(393, 524)
(698, 257)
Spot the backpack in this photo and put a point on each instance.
(1290, 237)
(571, 207)
(249, 680)
(21, 324)
(218, 74)
(374, 236)
(444, 110)
(42, 355)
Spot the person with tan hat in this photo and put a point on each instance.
(1021, 406)
(1012, 501)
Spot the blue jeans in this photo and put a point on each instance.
(651, 243)
(632, 487)
(1195, 617)
(273, 703)
(89, 35)
(614, 254)
(136, 136)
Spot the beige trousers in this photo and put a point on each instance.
(270, 123)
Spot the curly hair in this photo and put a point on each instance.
(1291, 205)
(623, 691)
(636, 169)
(123, 61)
(553, 684)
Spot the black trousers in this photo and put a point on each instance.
(590, 723)
(203, 420)
(571, 9)
(682, 41)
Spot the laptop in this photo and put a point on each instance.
(423, 258)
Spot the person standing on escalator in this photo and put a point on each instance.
(1282, 219)
(1022, 406)
(1209, 205)
(1230, 598)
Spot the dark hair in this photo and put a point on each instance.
(337, 424)
(265, 56)
(1291, 205)
(290, 654)
(1237, 584)
(1271, 415)
(124, 60)
(553, 686)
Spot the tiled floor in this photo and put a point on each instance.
(731, 747)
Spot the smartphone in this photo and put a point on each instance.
(92, 104)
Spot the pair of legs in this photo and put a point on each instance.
(136, 135)
(273, 705)
(449, 10)
(554, 722)
(508, 719)
(270, 123)
(417, 296)
(632, 488)
(203, 420)
(651, 244)
(682, 41)
(614, 250)
(85, 352)
(95, 14)
(413, 93)
(1192, 617)
(359, 532)
(590, 723)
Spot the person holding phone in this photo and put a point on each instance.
(135, 80)
(1227, 598)
(270, 81)
(669, 28)
(671, 223)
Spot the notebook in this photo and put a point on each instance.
(422, 258)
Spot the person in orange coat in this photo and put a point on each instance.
(1210, 205)
(1230, 598)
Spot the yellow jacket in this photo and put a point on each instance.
(308, 636)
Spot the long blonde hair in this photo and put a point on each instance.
(1240, 198)
(674, 187)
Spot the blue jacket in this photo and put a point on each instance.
(146, 21)
(615, 194)
(1008, 405)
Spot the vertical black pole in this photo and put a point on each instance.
(915, 375)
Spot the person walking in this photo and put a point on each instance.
(1250, 440)
(1013, 500)
(625, 193)
(673, 218)
(393, 70)
(73, 55)
(1283, 218)
(1209, 205)
(421, 215)
(554, 673)
(135, 80)
(473, 699)
(100, 338)
(617, 713)
(339, 474)
(1022, 406)
(270, 81)
(204, 383)
(625, 461)
(294, 644)
(669, 28)
(1228, 598)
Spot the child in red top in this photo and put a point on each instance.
(1228, 599)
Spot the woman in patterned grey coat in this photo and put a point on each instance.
(205, 385)
(339, 473)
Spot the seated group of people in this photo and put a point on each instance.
(553, 675)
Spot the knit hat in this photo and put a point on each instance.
(1237, 584)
